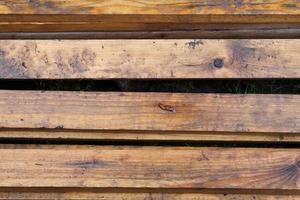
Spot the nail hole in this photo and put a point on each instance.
(218, 62)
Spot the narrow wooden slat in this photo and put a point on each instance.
(151, 167)
(67, 135)
(205, 31)
(46, 15)
(150, 111)
(102, 59)
(139, 196)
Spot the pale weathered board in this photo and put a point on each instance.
(150, 167)
(150, 111)
(49, 15)
(171, 59)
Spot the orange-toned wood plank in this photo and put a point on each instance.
(102, 59)
(150, 111)
(102, 135)
(150, 167)
(47, 15)
(152, 7)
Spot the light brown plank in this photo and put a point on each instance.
(67, 135)
(151, 167)
(103, 59)
(150, 111)
(139, 196)
(46, 15)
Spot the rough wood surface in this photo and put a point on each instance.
(67, 135)
(150, 167)
(140, 196)
(167, 7)
(205, 31)
(102, 59)
(150, 111)
(47, 15)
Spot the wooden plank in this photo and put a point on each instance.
(150, 111)
(205, 31)
(139, 196)
(46, 15)
(104, 135)
(163, 167)
(170, 59)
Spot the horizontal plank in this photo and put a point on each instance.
(168, 7)
(45, 15)
(106, 135)
(163, 167)
(150, 111)
(205, 31)
(138, 196)
(170, 59)
(271, 29)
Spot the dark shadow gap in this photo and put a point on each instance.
(234, 86)
(139, 143)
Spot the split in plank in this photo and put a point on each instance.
(150, 167)
(150, 111)
(169, 59)
(47, 15)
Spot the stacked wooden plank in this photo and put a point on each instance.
(120, 39)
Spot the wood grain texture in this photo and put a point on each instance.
(150, 111)
(205, 31)
(170, 59)
(166, 7)
(139, 196)
(150, 167)
(98, 135)
(75, 15)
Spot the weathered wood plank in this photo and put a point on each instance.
(102, 135)
(150, 167)
(139, 196)
(167, 7)
(150, 111)
(205, 31)
(102, 59)
(45, 15)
